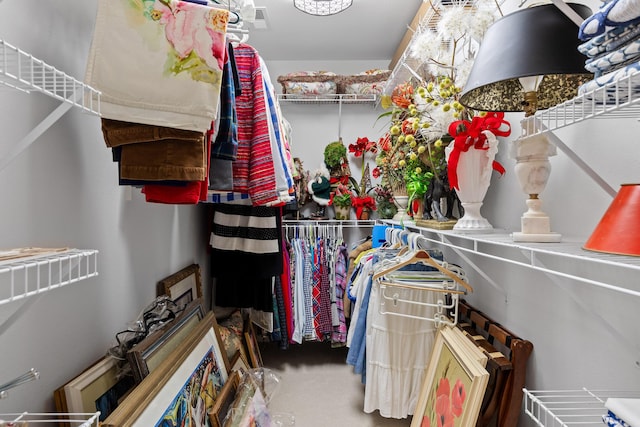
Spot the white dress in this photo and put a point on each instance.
(397, 350)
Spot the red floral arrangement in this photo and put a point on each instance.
(362, 200)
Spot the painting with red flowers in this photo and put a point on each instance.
(454, 385)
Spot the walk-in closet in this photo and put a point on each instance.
(319, 212)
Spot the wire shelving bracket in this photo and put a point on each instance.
(22, 71)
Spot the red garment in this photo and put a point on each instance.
(191, 194)
(253, 169)
(285, 282)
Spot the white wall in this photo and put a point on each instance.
(63, 191)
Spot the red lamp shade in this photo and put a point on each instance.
(618, 231)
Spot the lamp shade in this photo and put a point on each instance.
(618, 231)
(537, 41)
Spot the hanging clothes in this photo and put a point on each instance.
(246, 253)
(391, 352)
(316, 282)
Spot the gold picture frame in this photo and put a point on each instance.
(455, 378)
(101, 387)
(147, 355)
(199, 365)
(251, 342)
(182, 287)
(224, 400)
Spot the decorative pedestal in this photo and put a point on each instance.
(533, 169)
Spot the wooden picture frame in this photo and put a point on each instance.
(98, 388)
(452, 372)
(199, 364)
(224, 400)
(182, 287)
(251, 341)
(239, 362)
(147, 355)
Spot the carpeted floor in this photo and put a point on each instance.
(318, 388)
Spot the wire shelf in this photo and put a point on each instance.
(551, 408)
(24, 277)
(22, 71)
(343, 98)
(499, 245)
(617, 99)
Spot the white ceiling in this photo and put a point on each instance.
(368, 30)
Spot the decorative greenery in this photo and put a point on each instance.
(384, 200)
(341, 196)
(335, 155)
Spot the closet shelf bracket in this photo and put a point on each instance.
(22, 71)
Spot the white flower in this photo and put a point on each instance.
(454, 23)
(480, 21)
(426, 46)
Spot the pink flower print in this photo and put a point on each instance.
(186, 28)
(444, 416)
(443, 388)
(425, 422)
(458, 395)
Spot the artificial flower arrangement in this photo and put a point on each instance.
(411, 154)
(341, 196)
(362, 201)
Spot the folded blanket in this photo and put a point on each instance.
(614, 13)
(603, 89)
(622, 55)
(158, 62)
(625, 409)
(611, 420)
(610, 40)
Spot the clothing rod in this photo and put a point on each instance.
(348, 223)
(31, 375)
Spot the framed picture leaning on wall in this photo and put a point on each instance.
(145, 356)
(183, 286)
(183, 388)
(454, 384)
(101, 387)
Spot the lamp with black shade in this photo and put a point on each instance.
(528, 61)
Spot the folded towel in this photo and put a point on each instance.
(611, 420)
(611, 14)
(610, 40)
(158, 62)
(624, 54)
(625, 409)
(603, 89)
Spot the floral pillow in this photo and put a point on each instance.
(370, 82)
(309, 83)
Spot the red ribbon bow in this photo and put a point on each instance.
(469, 134)
(359, 203)
(343, 179)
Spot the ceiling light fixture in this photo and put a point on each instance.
(322, 7)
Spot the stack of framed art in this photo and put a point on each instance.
(454, 384)
(180, 373)
(184, 386)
